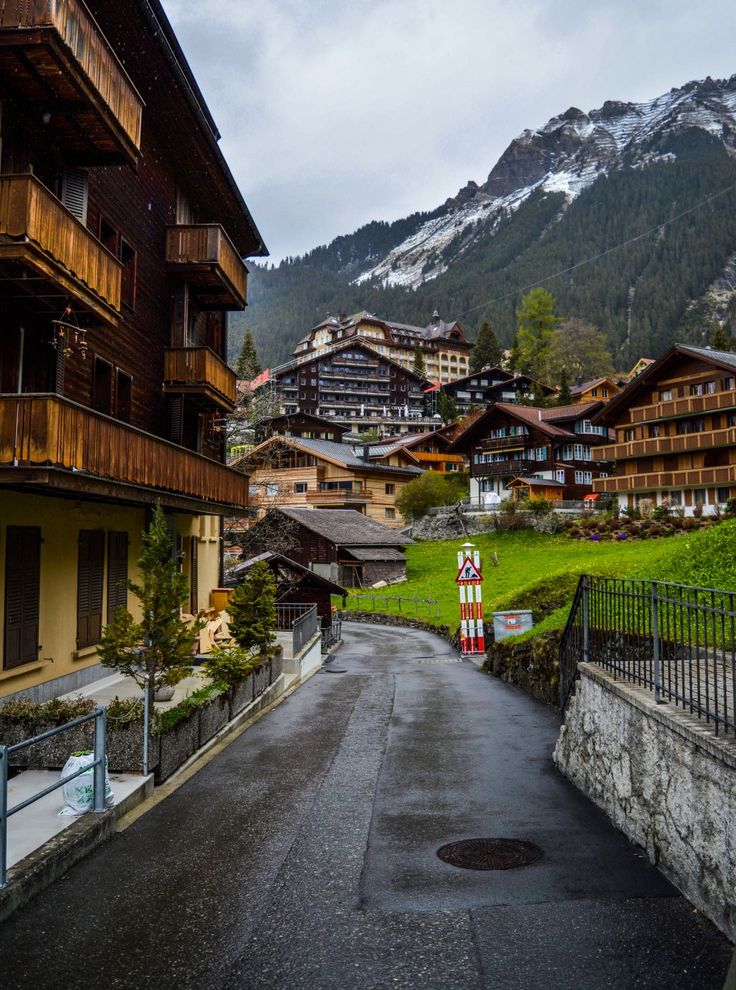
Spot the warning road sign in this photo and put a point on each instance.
(468, 573)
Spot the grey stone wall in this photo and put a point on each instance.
(664, 779)
(383, 570)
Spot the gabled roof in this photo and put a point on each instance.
(346, 527)
(341, 454)
(537, 482)
(531, 416)
(578, 410)
(719, 359)
(269, 557)
(364, 343)
(584, 386)
(507, 376)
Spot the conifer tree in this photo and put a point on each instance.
(564, 397)
(247, 366)
(720, 340)
(487, 352)
(252, 609)
(535, 325)
(446, 407)
(161, 644)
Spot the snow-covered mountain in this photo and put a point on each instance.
(566, 155)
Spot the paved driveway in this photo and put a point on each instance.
(304, 856)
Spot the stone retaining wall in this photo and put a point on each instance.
(533, 665)
(664, 779)
(386, 619)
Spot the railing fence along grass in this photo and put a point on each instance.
(388, 603)
(677, 640)
(302, 620)
(97, 765)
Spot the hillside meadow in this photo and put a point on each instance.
(540, 572)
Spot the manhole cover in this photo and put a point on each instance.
(489, 854)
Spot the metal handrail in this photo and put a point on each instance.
(303, 629)
(98, 785)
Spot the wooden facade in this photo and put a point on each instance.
(510, 443)
(675, 427)
(122, 239)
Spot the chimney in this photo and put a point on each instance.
(579, 381)
(365, 452)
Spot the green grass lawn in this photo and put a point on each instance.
(527, 559)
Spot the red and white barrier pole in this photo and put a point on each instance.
(469, 580)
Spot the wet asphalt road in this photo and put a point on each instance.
(303, 857)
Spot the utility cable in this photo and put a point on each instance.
(602, 254)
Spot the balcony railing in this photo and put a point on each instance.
(682, 443)
(503, 443)
(332, 495)
(694, 477)
(48, 431)
(200, 370)
(207, 256)
(494, 469)
(59, 44)
(43, 234)
(681, 407)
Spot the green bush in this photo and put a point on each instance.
(425, 492)
(54, 712)
(189, 705)
(230, 665)
(252, 609)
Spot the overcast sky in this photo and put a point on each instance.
(337, 112)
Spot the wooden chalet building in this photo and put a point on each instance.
(675, 427)
(345, 547)
(122, 235)
(353, 384)
(492, 385)
(444, 349)
(300, 425)
(431, 450)
(526, 446)
(596, 389)
(295, 471)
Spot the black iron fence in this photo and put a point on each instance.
(332, 633)
(674, 639)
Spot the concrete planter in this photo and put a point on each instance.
(177, 745)
(261, 679)
(242, 696)
(277, 665)
(51, 754)
(212, 717)
(125, 749)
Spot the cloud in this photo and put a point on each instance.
(336, 113)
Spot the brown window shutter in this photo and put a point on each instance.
(117, 572)
(194, 575)
(89, 586)
(22, 594)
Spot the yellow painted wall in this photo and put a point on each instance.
(60, 521)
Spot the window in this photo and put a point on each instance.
(560, 476)
(699, 496)
(102, 386)
(74, 193)
(629, 435)
(604, 393)
(89, 586)
(728, 383)
(540, 454)
(390, 489)
(389, 513)
(300, 487)
(117, 572)
(595, 393)
(665, 395)
(654, 430)
(123, 396)
(710, 388)
(698, 389)
(22, 595)
(723, 494)
(583, 477)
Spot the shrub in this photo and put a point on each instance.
(731, 507)
(646, 507)
(632, 513)
(698, 510)
(550, 522)
(661, 512)
(230, 665)
(252, 609)
(538, 506)
(54, 712)
(122, 712)
(425, 492)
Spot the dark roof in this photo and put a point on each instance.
(328, 424)
(507, 376)
(584, 386)
(269, 557)
(575, 411)
(376, 553)
(342, 453)
(346, 527)
(533, 416)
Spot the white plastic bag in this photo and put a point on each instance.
(79, 793)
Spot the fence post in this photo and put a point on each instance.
(656, 646)
(586, 619)
(99, 753)
(146, 717)
(3, 816)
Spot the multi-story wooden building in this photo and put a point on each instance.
(353, 384)
(444, 349)
(491, 385)
(527, 445)
(430, 449)
(675, 429)
(299, 472)
(122, 235)
(595, 389)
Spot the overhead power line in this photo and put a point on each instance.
(602, 254)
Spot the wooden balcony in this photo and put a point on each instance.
(206, 257)
(55, 58)
(50, 255)
(335, 497)
(506, 443)
(501, 469)
(199, 371)
(689, 404)
(51, 443)
(658, 446)
(693, 478)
